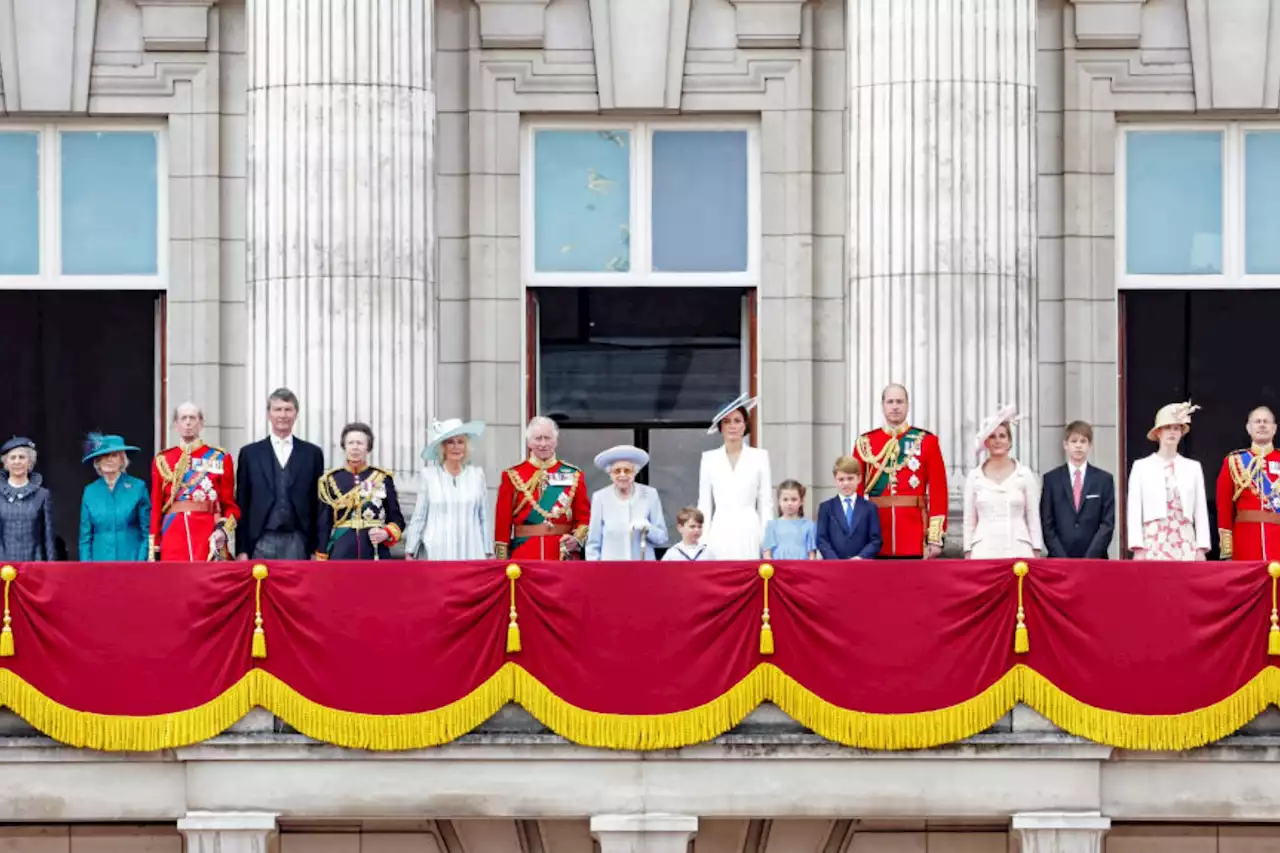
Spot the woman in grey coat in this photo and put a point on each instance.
(26, 508)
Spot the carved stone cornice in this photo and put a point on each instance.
(1108, 23)
(512, 23)
(769, 23)
(175, 25)
(46, 51)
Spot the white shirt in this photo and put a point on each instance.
(283, 448)
(1083, 469)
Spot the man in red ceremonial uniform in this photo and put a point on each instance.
(904, 476)
(543, 506)
(1249, 495)
(193, 504)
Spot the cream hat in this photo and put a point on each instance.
(1006, 414)
(1173, 414)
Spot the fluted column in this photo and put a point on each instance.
(943, 212)
(341, 120)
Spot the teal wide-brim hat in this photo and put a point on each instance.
(98, 444)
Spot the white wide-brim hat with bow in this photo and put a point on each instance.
(606, 459)
(744, 401)
(1005, 414)
(442, 431)
(1174, 414)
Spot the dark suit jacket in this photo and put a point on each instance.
(256, 490)
(838, 541)
(1084, 534)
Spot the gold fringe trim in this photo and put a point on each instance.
(766, 682)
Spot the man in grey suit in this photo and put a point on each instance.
(1078, 501)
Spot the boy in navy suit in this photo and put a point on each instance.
(848, 525)
(1078, 501)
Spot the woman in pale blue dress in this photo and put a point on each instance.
(626, 517)
(451, 517)
(790, 536)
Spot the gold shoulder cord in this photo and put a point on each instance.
(175, 477)
(528, 491)
(887, 456)
(1242, 476)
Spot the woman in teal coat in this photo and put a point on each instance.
(115, 513)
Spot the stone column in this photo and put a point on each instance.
(643, 833)
(227, 832)
(1061, 832)
(942, 244)
(340, 232)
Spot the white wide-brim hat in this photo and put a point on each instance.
(606, 459)
(1005, 414)
(442, 431)
(744, 401)
(1174, 414)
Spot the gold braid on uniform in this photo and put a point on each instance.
(345, 504)
(887, 460)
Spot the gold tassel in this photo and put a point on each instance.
(7, 574)
(1273, 636)
(259, 636)
(766, 630)
(1021, 643)
(513, 627)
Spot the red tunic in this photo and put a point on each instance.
(537, 504)
(192, 495)
(1248, 497)
(904, 476)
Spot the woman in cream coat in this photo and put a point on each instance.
(1168, 514)
(735, 492)
(1001, 497)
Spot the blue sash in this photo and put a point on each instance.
(183, 491)
(1262, 481)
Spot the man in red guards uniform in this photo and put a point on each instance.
(193, 503)
(1248, 495)
(543, 506)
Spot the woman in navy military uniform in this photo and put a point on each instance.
(115, 512)
(360, 516)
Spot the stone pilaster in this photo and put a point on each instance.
(643, 833)
(1061, 832)
(227, 832)
(340, 232)
(942, 243)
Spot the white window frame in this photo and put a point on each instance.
(49, 149)
(1233, 275)
(641, 272)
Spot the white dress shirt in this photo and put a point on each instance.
(283, 448)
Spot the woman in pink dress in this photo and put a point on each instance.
(1168, 513)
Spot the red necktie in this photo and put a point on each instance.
(1076, 488)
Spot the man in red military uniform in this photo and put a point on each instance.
(543, 506)
(1248, 495)
(193, 503)
(904, 475)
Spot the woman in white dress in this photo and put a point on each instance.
(626, 517)
(450, 520)
(735, 491)
(1168, 515)
(1001, 497)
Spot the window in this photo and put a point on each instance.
(1198, 206)
(81, 207)
(632, 203)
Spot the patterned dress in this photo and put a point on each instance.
(1174, 536)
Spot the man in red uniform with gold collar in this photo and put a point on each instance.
(193, 503)
(904, 475)
(543, 506)
(1249, 495)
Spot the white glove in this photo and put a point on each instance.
(639, 526)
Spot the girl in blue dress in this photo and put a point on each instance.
(790, 536)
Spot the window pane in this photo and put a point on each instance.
(109, 203)
(1173, 199)
(1262, 202)
(582, 201)
(19, 204)
(700, 201)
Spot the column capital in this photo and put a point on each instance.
(644, 833)
(1061, 832)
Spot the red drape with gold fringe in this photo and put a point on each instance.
(397, 655)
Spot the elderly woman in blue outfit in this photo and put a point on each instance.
(626, 517)
(115, 512)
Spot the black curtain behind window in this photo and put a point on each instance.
(77, 361)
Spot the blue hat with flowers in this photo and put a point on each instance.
(97, 444)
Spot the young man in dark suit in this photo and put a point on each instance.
(276, 487)
(1078, 501)
(848, 524)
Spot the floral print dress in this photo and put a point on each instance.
(1174, 536)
